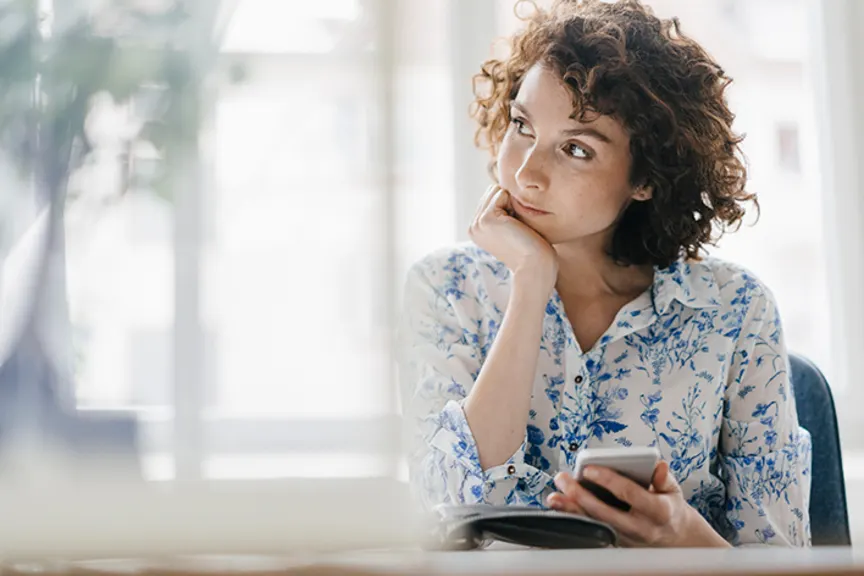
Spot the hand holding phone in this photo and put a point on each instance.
(635, 463)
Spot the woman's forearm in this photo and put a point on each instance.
(498, 404)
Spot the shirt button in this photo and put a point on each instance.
(511, 469)
(574, 446)
(578, 379)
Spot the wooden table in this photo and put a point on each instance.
(504, 562)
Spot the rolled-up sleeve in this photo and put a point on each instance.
(765, 455)
(439, 362)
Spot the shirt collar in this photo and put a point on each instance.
(691, 282)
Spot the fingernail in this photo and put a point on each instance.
(591, 474)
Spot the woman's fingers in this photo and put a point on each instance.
(632, 526)
(639, 498)
(566, 484)
(560, 502)
(494, 208)
(657, 517)
(564, 500)
(664, 481)
(500, 205)
(487, 199)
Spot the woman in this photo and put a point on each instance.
(582, 314)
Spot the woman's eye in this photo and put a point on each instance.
(577, 151)
(520, 126)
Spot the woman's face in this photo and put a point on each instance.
(569, 181)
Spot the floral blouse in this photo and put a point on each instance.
(695, 366)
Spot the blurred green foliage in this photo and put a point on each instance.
(50, 72)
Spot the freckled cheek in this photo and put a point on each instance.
(585, 200)
(599, 209)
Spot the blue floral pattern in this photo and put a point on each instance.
(695, 366)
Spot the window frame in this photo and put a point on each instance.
(188, 431)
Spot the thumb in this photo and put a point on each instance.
(664, 481)
(502, 201)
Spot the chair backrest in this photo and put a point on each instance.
(829, 519)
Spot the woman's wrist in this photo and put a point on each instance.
(534, 282)
(529, 293)
(700, 534)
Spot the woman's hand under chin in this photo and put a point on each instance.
(658, 517)
(528, 255)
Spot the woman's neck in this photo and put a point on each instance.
(586, 271)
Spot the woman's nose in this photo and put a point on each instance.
(532, 173)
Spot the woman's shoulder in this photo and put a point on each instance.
(737, 285)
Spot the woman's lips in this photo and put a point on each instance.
(527, 208)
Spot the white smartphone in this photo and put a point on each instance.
(635, 463)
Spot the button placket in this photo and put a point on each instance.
(577, 378)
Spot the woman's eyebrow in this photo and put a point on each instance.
(582, 131)
(520, 107)
(588, 132)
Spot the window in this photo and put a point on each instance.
(788, 154)
(296, 374)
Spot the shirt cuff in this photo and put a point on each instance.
(513, 482)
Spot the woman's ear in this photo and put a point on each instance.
(643, 193)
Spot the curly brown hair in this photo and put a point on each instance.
(620, 60)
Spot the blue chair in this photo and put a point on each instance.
(829, 519)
